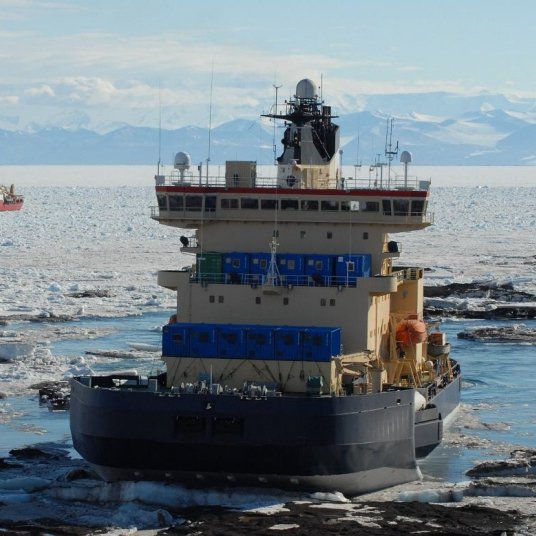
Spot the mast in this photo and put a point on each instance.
(274, 145)
(159, 132)
(390, 153)
(210, 119)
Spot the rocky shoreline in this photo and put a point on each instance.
(479, 300)
(507, 334)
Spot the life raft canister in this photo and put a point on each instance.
(410, 332)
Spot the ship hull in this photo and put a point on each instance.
(429, 422)
(351, 444)
(5, 207)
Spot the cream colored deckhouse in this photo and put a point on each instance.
(310, 213)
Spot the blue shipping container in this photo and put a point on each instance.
(320, 344)
(258, 266)
(231, 341)
(348, 268)
(260, 342)
(236, 265)
(287, 343)
(203, 340)
(367, 265)
(290, 264)
(175, 340)
(319, 268)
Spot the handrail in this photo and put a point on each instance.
(345, 184)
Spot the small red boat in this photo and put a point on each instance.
(9, 200)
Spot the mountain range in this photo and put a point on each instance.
(437, 128)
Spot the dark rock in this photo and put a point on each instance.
(500, 334)
(52, 317)
(493, 291)
(44, 453)
(378, 519)
(47, 527)
(521, 461)
(95, 293)
(81, 474)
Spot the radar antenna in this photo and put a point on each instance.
(273, 143)
(390, 152)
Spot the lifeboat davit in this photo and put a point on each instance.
(410, 332)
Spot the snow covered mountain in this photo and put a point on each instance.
(438, 128)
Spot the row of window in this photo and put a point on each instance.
(323, 301)
(208, 203)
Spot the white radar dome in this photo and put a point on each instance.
(306, 89)
(405, 157)
(182, 161)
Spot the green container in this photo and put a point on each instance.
(209, 266)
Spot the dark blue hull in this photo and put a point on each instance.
(352, 444)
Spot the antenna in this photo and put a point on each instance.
(210, 116)
(390, 153)
(159, 131)
(357, 164)
(274, 146)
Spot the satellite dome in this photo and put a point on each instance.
(306, 89)
(182, 161)
(405, 157)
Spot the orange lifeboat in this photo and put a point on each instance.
(410, 332)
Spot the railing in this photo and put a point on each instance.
(407, 274)
(281, 280)
(345, 183)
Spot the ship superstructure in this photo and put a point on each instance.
(9, 200)
(298, 354)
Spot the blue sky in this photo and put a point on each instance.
(96, 62)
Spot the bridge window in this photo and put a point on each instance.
(229, 203)
(162, 202)
(401, 207)
(309, 205)
(269, 204)
(386, 205)
(289, 204)
(329, 205)
(193, 203)
(350, 206)
(249, 203)
(176, 202)
(210, 203)
(417, 207)
(369, 206)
